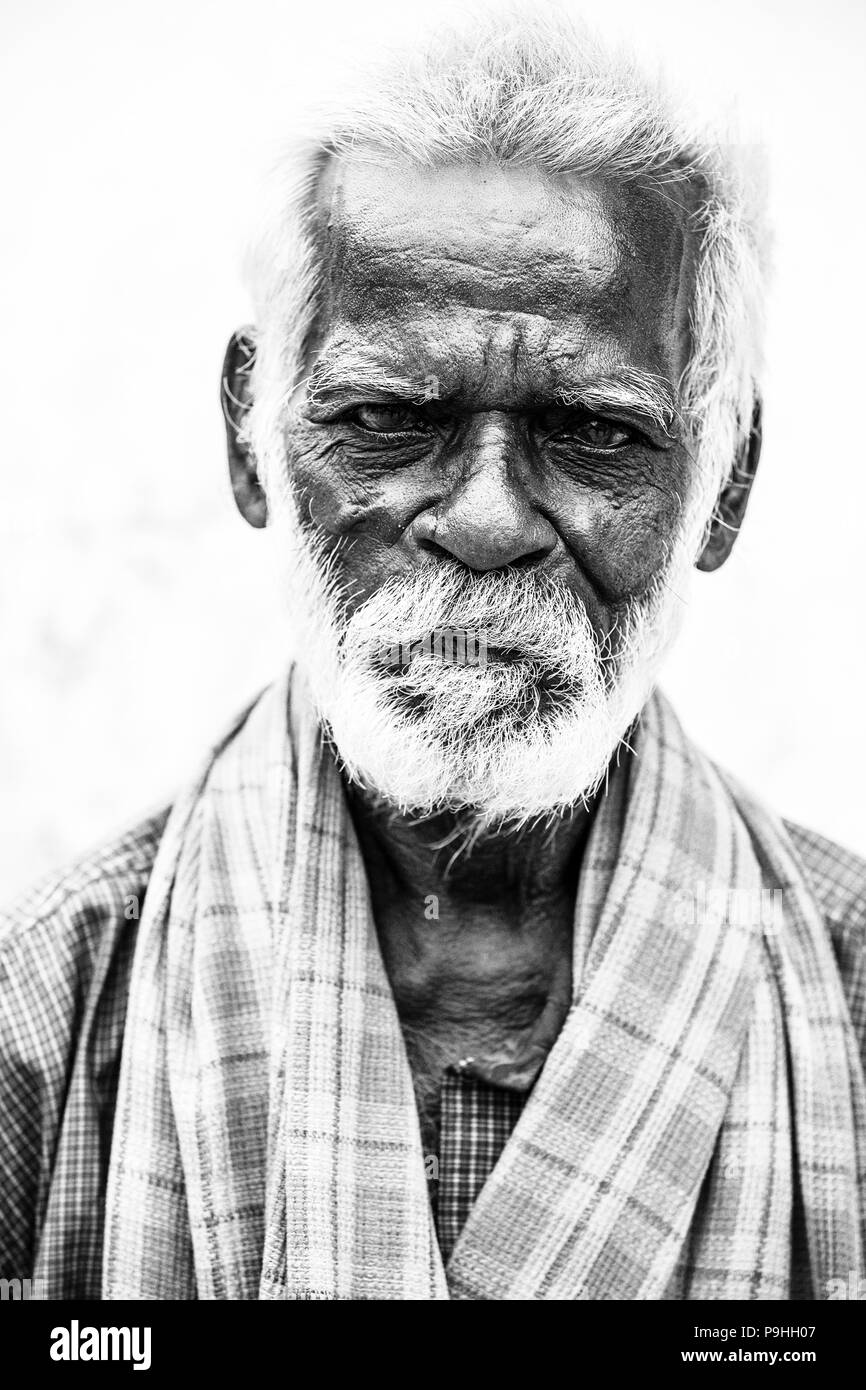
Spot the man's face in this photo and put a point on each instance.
(503, 295)
(487, 438)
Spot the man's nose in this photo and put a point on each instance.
(487, 520)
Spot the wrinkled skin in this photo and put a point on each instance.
(492, 292)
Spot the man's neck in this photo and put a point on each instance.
(447, 853)
(476, 935)
(471, 928)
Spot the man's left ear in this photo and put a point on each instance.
(731, 506)
(236, 397)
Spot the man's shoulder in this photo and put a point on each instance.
(62, 917)
(837, 877)
(834, 874)
(66, 950)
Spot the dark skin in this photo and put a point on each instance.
(505, 310)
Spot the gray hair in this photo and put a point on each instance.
(532, 89)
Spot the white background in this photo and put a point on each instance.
(137, 611)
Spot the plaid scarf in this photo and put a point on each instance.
(697, 1130)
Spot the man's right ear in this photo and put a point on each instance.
(236, 398)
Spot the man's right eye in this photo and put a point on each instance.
(387, 419)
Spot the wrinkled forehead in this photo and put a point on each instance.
(456, 260)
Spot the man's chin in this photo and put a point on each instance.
(504, 767)
(510, 741)
(477, 801)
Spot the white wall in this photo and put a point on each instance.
(136, 609)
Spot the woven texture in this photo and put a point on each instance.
(696, 1132)
(476, 1120)
(667, 1150)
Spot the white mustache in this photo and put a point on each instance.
(529, 616)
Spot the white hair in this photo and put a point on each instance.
(531, 89)
(529, 736)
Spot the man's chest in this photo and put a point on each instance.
(476, 991)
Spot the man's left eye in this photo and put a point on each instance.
(387, 419)
(600, 434)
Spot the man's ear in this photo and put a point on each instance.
(731, 506)
(236, 398)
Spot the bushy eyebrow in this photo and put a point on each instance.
(340, 371)
(343, 370)
(636, 392)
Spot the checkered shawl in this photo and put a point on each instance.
(697, 1130)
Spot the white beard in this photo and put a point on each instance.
(507, 741)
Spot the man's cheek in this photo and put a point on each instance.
(366, 512)
(358, 536)
(630, 546)
(328, 495)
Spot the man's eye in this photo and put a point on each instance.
(387, 419)
(600, 434)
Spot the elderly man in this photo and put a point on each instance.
(459, 971)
